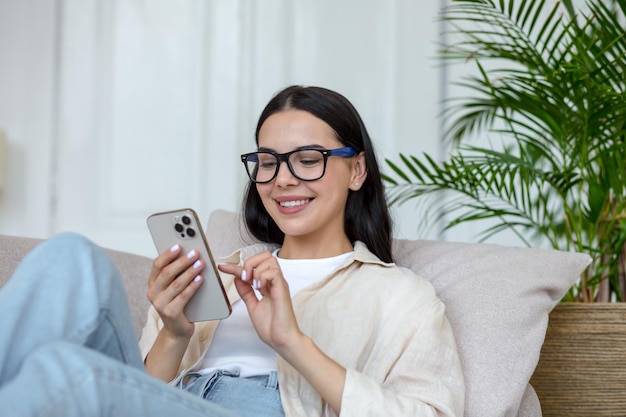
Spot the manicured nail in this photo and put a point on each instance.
(174, 248)
(197, 264)
(244, 276)
(256, 284)
(191, 253)
(197, 279)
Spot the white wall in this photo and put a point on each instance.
(27, 98)
(117, 109)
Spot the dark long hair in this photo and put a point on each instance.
(367, 215)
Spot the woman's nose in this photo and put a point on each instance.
(284, 175)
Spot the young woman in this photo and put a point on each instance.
(323, 323)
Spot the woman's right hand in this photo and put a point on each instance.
(172, 282)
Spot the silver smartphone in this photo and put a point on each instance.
(182, 227)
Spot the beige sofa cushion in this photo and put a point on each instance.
(497, 298)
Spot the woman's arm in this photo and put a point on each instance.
(324, 374)
(419, 373)
(275, 322)
(172, 282)
(164, 358)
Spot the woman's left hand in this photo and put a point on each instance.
(272, 316)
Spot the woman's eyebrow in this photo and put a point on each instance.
(299, 148)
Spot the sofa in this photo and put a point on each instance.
(497, 299)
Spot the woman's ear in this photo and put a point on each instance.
(359, 172)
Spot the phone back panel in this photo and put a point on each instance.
(183, 227)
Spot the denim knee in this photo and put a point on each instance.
(69, 242)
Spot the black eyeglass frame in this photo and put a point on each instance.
(346, 152)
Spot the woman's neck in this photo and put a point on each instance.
(295, 247)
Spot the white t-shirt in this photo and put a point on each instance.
(236, 345)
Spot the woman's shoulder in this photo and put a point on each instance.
(398, 275)
(390, 275)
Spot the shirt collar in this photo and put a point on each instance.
(361, 254)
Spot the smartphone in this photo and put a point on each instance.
(182, 227)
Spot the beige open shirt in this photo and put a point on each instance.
(383, 323)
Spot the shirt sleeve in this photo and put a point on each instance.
(425, 380)
(150, 332)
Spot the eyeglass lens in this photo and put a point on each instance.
(307, 165)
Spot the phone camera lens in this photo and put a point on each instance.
(179, 228)
(191, 232)
(186, 220)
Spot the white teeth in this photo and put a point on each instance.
(293, 203)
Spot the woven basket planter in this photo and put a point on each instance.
(582, 369)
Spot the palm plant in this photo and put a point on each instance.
(550, 92)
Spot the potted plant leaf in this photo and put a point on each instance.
(549, 95)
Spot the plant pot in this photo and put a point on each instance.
(582, 368)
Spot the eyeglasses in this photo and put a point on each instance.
(304, 164)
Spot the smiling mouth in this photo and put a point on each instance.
(294, 203)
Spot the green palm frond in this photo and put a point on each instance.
(550, 93)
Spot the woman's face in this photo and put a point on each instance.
(308, 210)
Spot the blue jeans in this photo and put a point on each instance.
(248, 397)
(67, 345)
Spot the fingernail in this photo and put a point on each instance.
(244, 276)
(191, 253)
(197, 264)
(256, 284)
(198, 278)
(174, 248)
